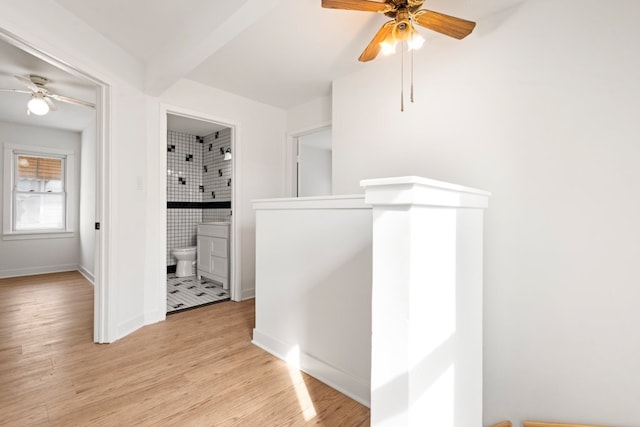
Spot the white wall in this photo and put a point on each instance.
(259, 156)
(310, 114)
(315, 170)
(133, 149)
(57, 32)
(538, 106)
(86, 263)
(302, 119)
(25, 257)
(313, 300)
(52, 29)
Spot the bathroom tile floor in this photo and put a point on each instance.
(184, 293)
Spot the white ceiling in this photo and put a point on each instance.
(279, 52)
(192, 126)
(298, 48)
(13, 106)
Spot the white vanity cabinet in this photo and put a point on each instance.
(213, 252)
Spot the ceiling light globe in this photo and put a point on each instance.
(415, 42)
(388, 48)
(38, 106)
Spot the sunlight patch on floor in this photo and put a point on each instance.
(304, 399)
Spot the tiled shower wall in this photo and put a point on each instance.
(196, 174)
(184, 167)
(216, 175)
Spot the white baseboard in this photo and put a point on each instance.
(335, 378)
(125, 328)
(87, 275)
(248, 294)
(155, 316)
(32, 271)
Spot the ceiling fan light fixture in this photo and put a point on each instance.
(37, 105)
(416, 41)
(400, 28)
(388, 47)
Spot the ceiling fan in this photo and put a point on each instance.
(41, 98)
(400, 28)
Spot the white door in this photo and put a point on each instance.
(314, 164)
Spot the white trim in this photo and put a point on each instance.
(38, 150)
(101, 313)
(32, 271)
(333, 377)
(291, 155)
(248, 294)
(7, 210)
(316, 202)
(87, 275)
(159, 312)
(131, 325)
(70, 196)
(103, 331)
(416, 191)
(424, 182)
(235, 281)
(38, 234)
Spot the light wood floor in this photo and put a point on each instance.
(198, 368)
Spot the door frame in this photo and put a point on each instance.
(291, 155)
(103, 331)
(235, 281)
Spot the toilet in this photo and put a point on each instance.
(186, 261)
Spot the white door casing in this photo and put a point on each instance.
(104, 331)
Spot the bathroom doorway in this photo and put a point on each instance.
(199, 191)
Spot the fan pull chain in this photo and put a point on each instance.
(412, 75)
(402, 76)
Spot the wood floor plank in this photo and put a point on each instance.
(196, 368)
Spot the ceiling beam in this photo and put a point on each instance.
(183, 55)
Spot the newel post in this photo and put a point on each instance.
(426, 363)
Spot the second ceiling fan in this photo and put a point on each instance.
(400, 28)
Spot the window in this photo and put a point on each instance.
(36, 192)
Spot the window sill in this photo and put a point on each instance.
(32, 235)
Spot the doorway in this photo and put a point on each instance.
(309, 158)
(200, 244)
(93, 262)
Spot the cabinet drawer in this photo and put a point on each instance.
(219, 266)
(213, 230)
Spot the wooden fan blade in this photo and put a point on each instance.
(373, 49)
(362, 5)
(444, 24)
(69, 100)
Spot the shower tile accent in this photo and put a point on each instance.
(218, 169)
(184, 168)
(196, 173)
